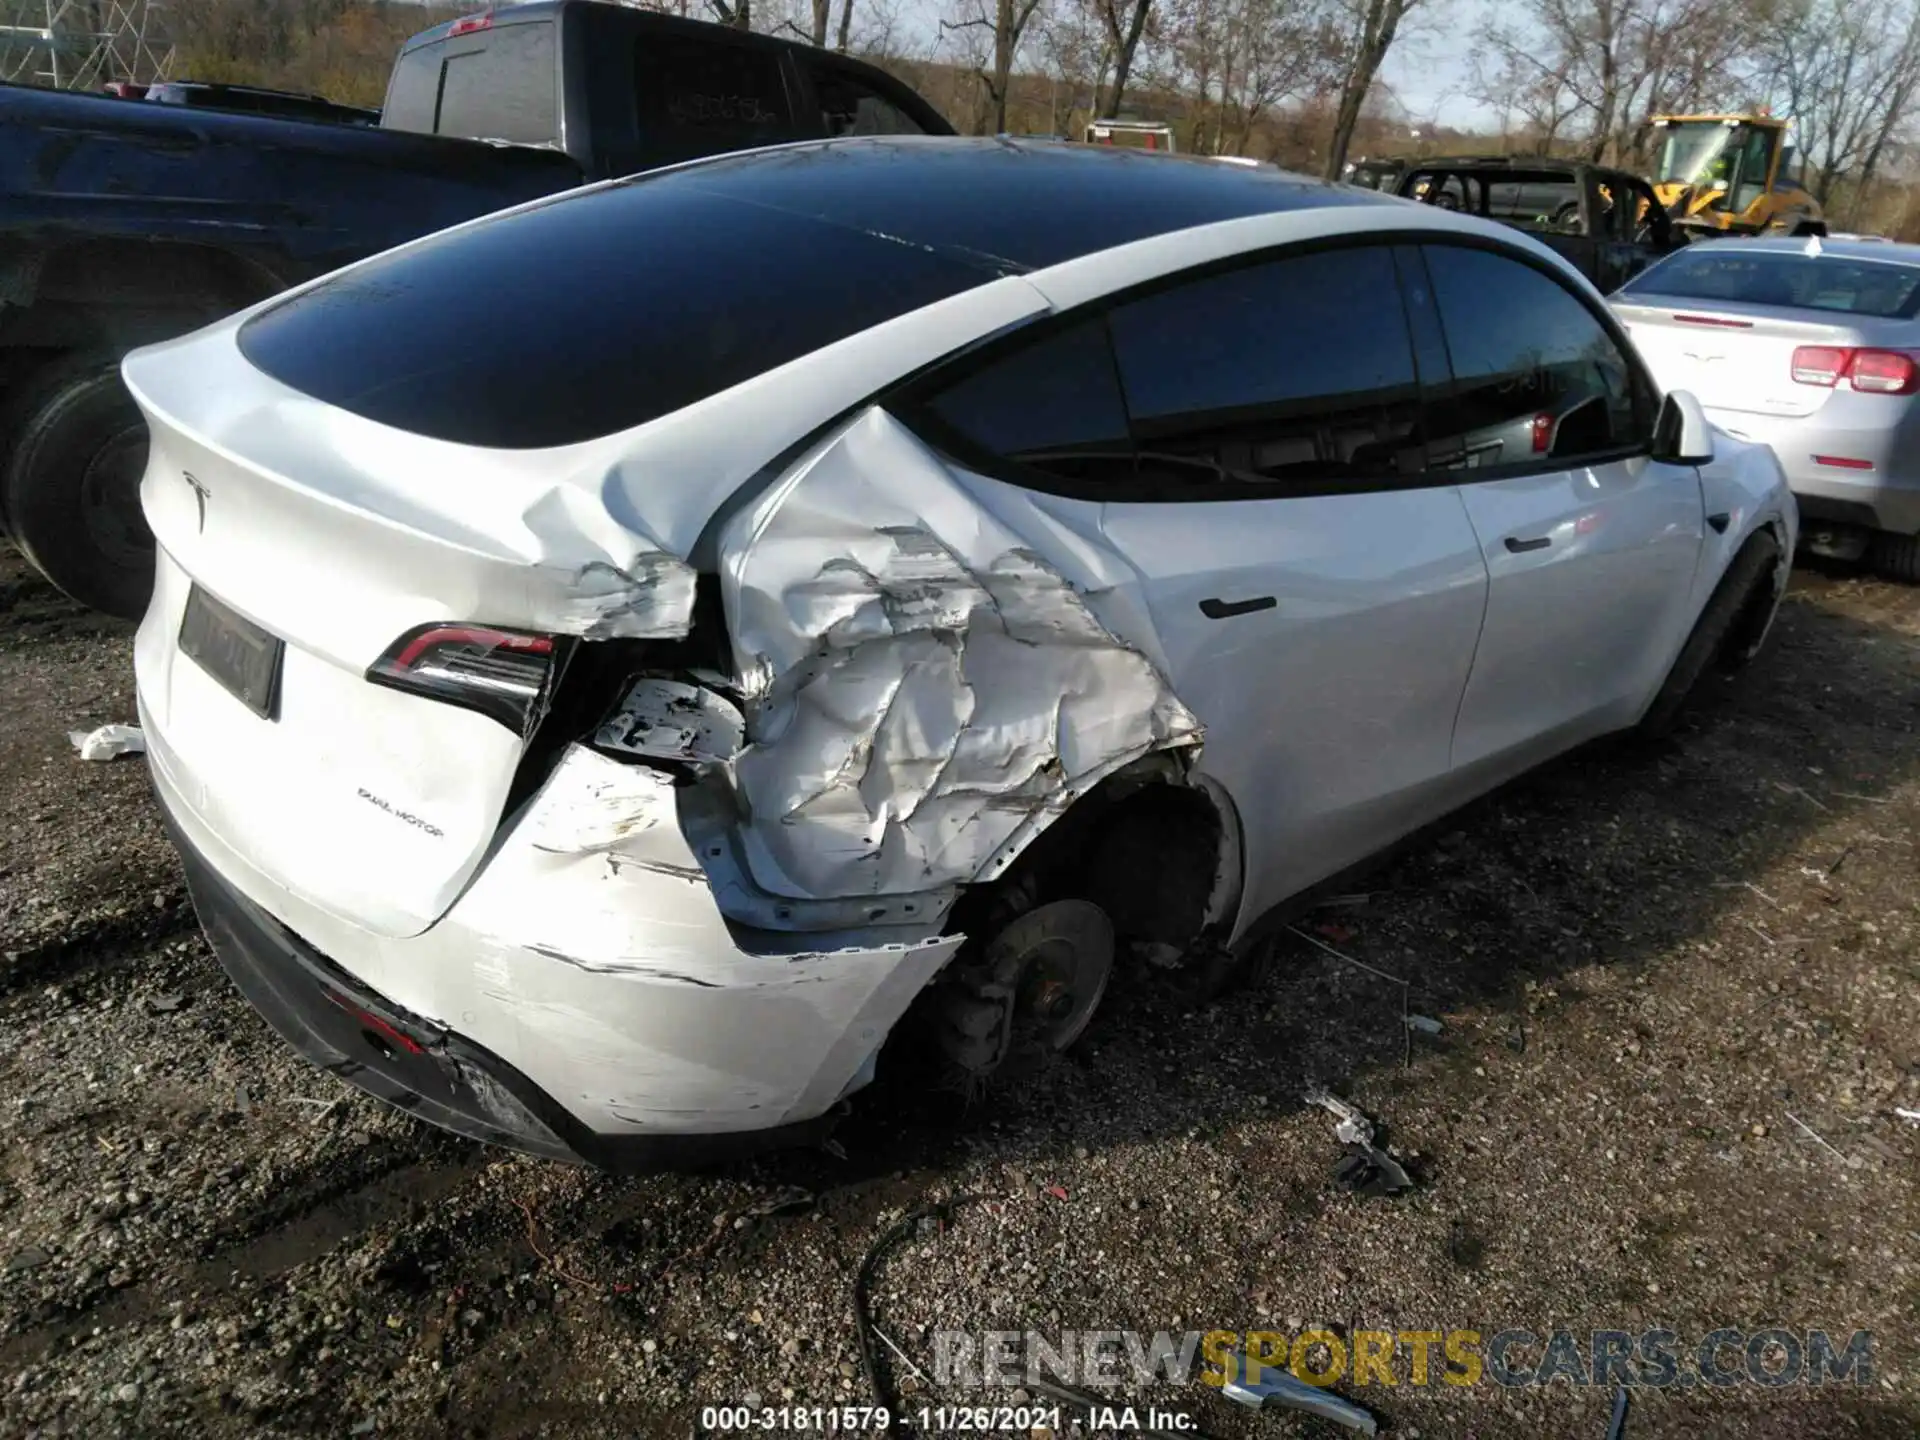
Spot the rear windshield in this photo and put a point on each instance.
(591, 314)
(495, 84)
(1873, 288)
(414, 92)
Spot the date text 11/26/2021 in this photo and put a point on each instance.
(932, 1419)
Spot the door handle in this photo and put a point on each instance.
(1216, 609)
(1520, 547)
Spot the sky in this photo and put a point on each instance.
(1431, 73)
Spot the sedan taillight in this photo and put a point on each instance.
(1884, 372)
(501, 673)
(1873, 372)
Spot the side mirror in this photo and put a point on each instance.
(1682, 436)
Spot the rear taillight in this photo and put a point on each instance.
(1884, 372)
(1542, 434)
(1873, 372)
(1820, 365)
(501, 673)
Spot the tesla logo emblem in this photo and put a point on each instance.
(200, 493)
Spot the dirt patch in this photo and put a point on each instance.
(1660, 977)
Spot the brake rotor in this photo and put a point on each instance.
(1035, 988)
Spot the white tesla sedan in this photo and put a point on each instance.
(611, 660)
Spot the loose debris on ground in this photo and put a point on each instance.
(1673, 1083)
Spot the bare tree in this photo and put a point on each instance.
(1513, 81)
(737, 13)
(1079, 60)
(1603, 68)
(1125, 22)
(1847, 74)
(1365, 31)
(997, 29)
(1290, 47)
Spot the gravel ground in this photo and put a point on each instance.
(1643, 963)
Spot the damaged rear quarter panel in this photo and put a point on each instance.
(926, 691)
(591, 956)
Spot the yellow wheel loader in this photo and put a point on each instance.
(1733, 175)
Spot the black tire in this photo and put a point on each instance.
(71, 478)
(1728, 616)
(1896, 556)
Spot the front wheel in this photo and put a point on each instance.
(72, 484)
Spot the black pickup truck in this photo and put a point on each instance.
(125, 223)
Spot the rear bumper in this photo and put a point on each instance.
(1886, 497)
(343, 1026)
(583, 998)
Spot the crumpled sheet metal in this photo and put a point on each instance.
(624, 988)
(602, 585)
(664, 719)
(926, 693)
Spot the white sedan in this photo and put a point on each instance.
(613, 663)
(1811, 347)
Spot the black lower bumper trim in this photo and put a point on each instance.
(1818, 509)
(415, 1065)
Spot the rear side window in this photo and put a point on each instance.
(589, 314)
(1052, 405)
(413, 92)
(1872, 288)
(503, 90)
(712, 92)
(850, 105)
(1536, 377)
(1296, 371)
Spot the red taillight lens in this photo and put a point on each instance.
(467, 24)
(501, 673)
(1884, 372)
(1820, 364)
(1542, 433)
(1872, 372)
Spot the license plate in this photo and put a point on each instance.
(232, 649)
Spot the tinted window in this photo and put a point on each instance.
(1053, 404)
(1292, 370)
(724, 94)
(412, 92)
(1809, 282)
(589, 314)
(503, 91)
(1535, 376)
(851, 106)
